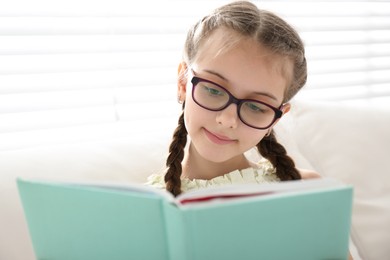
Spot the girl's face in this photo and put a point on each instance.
(247, 71)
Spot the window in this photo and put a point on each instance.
(68, 68)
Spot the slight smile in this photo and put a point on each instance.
(218, 139)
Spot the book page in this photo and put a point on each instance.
(248, 190)
(112, 185)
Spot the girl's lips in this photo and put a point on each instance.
(218, 139)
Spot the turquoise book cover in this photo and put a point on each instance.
(90, 221)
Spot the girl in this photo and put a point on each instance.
(240, 67)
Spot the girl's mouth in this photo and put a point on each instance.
(217, 139)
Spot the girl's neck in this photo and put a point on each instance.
(197, 167)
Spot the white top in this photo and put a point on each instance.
(264, 172)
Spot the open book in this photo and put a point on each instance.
(289, 220)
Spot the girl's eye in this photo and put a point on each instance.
(213, 91)
(256, 108)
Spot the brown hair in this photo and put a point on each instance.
(280, 39)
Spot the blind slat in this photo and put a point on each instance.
(160, 109)
(91, 25)
(180, 8)
(11, 64)
(326, 8)
(326, 23)
(327, 38)
(349, 65)
(345, 79)
(69, 44)
(38, 101)
(355, 92)
(43, 82)
(348, 51)
(12, 122)
(28, 102)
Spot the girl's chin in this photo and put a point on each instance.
(216, 155)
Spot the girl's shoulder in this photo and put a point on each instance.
(261, 172)
(309, 174)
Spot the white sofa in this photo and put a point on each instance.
(345, 142)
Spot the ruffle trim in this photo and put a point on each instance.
(263, 173)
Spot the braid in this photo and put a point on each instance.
(277, 155)
(175, 157)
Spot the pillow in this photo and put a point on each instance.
(283, 133)
(130, 159)
(352, 144)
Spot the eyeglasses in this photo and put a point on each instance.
(214, 97)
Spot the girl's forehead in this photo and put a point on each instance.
(223, 41)
(243, 61)
(218, 42)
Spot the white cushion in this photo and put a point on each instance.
(124, 160)
(352, 143)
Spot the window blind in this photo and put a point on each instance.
(81, 65)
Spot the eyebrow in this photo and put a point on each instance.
(217, 74)
(226, 80)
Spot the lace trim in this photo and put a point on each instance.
(264, 173)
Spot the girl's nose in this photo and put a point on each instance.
(228, 117)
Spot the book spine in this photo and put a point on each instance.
(177, 242)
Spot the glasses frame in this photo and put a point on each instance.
(233, 100)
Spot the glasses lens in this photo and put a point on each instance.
(256, 114)
(213, 97)
(210, 95)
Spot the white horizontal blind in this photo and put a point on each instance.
(94, 63)
(348, 49)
